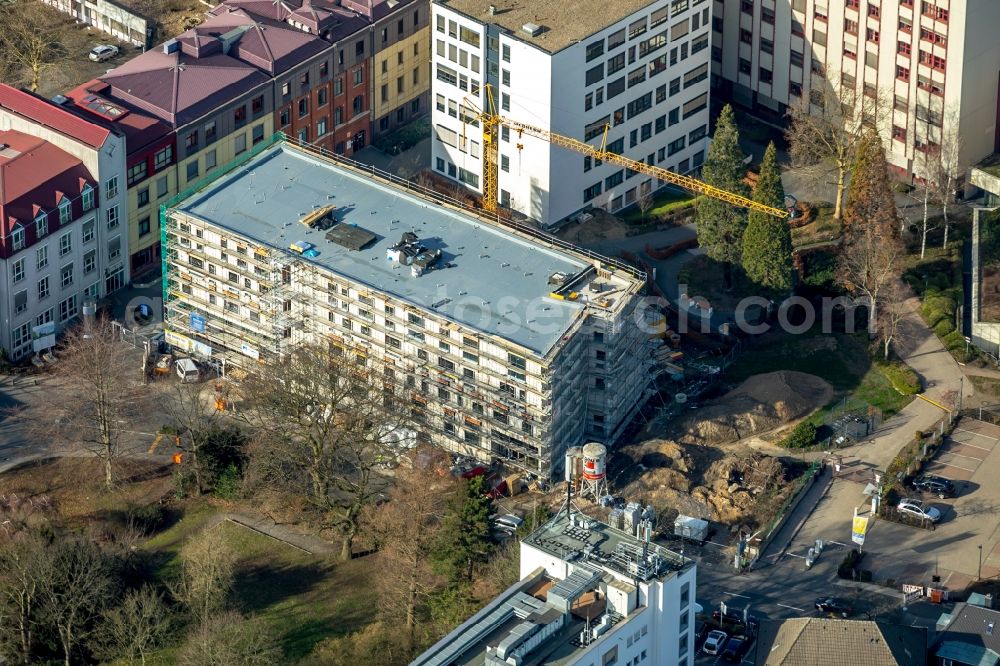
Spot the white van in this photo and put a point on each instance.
(187, 370)
(508, 523)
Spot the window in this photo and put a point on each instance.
(21, 302)
(905, 26)
(164, 157)
(44, 318)
(594, 74)
(66, 275)
(615, 88)
(766, 45)
(144, 226)
(286, 89)
(745, 66)
(595, 50)
(902, 73)
(925, 83)
(930, 9)
(850, 27)
(591, 192)
(746, 36)
(636, 28)
(903, 47)
(871, 35)
(136, 172)
(695, 105)
(112, 217)
(65, 243)
(191, 143)
(240, 115)
(41, 225)
(358, 77)
(767, 15)
(796, 58)
(616, 39)
(43, 288)
(17, 271)
(114, 248)
(111, 187)
(746, 6)
(933, 61)
(67, 309)
(88, 231)
(899, 133)
(874, 11)
(765, 75)
(192, 170)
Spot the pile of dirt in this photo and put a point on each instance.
(761, 403)
(602, 226)
(699, 481)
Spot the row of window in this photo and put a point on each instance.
(68, 309)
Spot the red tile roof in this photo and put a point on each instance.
(141, 129)
(269, 45)
(179, 88)
(51, 115)
(34, 174)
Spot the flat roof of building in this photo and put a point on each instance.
(562, 23)
(506, 615)
(488, 278)
(573, 536)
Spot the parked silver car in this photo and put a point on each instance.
(918, 509)
(103, 52)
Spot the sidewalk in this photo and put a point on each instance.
(796, 519)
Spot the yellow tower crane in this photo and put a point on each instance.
(492, 122)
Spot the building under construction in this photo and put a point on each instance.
(510, 344)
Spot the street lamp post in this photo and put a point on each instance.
(979, 571)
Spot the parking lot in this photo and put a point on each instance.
(964, 544)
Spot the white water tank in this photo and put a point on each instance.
(574, 461)
(595, 462)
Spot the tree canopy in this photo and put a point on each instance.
(767, 241)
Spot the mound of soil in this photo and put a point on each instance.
(761, 403)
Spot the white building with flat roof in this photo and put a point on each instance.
(937, 63)
(508, 344)
(637, 66)
(589, 594)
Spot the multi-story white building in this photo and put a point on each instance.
(589, 594)
(937, 62)
(508, 344)
(637, 66)
(62, 212)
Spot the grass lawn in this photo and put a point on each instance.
(823, 228)
(988, 386)
(840, 359)
(305, 598)
(665, 201)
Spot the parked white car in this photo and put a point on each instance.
(103, 52)
(918, 509)
(713, 644)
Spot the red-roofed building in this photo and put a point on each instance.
(62, 207)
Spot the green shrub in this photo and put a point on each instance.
(802, 436)
(228, 485)
(849, 567)
(943, 328)
(902, 377)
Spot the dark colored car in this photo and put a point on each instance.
(934, 485)
(735, 648)
(833, 605)
(735, 616)
(701, 629)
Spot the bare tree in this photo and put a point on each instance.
(77, 586)
(826, 129)
(197, 419)
(504, 568)
(645, 203)
(406, 530)
(871, 251)
(323, 412)
(103, 390)
(207, 572)
(891, 313)
(30, 43)
(945, 171)
(136, 627)
(23, 567)
(229, 639)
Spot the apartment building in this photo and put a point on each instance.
(590, 593)
(507, 344)
(185, 107)
(937, 62)
(62, 201)
(639, 67)
(401, 75)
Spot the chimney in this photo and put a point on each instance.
(493, 10)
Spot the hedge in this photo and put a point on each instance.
(802, 436)
(902, 377)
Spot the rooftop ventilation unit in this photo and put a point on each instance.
(171, 46)
(532, 29)
(409, 252)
